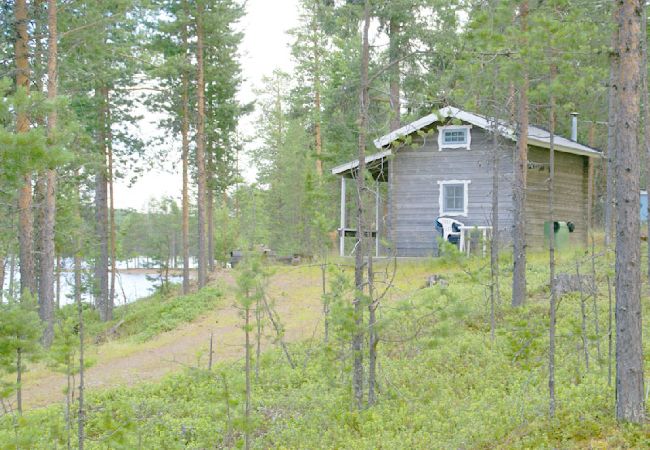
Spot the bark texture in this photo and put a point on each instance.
(101, 218)
(519, 187)
(46, 282)
(316, 49)
(200, 148)
(646, 112)
(629, 351)
(25, 220)
(611, 139)
(551, 254)
(185, 142)
(359, 279)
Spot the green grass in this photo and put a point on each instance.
(443, 382)
(147, 317)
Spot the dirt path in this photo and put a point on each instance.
(296, 295)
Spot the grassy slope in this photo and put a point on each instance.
(444, 384)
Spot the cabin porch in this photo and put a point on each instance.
(377, 166)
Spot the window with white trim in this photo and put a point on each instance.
(454, 197)
(454, 136)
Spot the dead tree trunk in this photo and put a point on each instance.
(519, 188)
(494, 242)
(81, 418)
(359, 279)
(247, 408)
(26, 220)
(551, 251)
(278, 332)
(583, 316)
(629, 350)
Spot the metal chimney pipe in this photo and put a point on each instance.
(574, 126)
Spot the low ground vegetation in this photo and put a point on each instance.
(442, 379)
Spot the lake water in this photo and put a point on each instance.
(128, 286)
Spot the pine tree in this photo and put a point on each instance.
(630, 405)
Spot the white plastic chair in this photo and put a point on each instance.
(447, 227)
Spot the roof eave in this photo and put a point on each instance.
(566, 149)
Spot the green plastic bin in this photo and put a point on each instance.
(562, 231)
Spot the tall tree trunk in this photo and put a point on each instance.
(494, 242)
(394, 55)
(646, 114)
(551, 249)
(519, 191)
(46, 283)
(316, 49)
(111, 206)
(247, 406)
(359, 281)
(210, 214)
(25, 223)
(81, 417)
(57, 281)
(12, 274)
(40, 183)
(629, 350)
(185, 126)
(614, 59)
(200, 147)
(101, 216)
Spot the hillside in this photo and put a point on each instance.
(443, 381)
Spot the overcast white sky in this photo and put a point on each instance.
(265, 47)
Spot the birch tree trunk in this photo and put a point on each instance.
(46, 283)
(359, 281)
(25, 221)
(519, 191)
(200, 147)
(629, 350)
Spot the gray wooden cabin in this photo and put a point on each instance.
(441, 166)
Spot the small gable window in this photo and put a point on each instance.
(454, 136)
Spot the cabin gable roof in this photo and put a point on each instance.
(536, 136)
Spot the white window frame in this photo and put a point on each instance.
(441, 198)
(441, 133)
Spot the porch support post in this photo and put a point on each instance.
(342, 229)
(377, 218)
